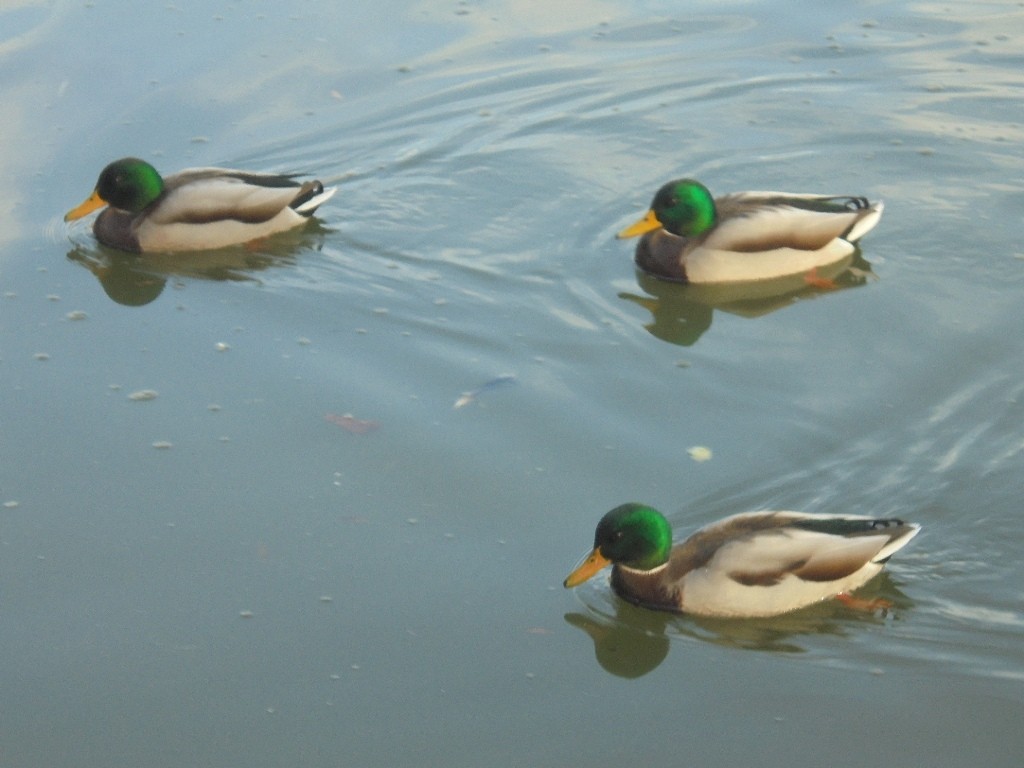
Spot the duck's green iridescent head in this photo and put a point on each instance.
(633, 535)
(128, 184)
(683, 207)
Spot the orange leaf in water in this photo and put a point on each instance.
(350, 423)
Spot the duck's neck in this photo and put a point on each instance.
(647, 588)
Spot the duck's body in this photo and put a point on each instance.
(748, 565)
(688, 236)
(196, 209)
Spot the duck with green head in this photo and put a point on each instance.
(747, 565)
(689, 236)
(195, 209)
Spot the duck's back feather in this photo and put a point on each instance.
(202, 196)
(756, 221)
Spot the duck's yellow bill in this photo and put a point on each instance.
(647, 224)
(595, 562)
(90, 205)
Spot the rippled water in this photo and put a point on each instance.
(299, 552)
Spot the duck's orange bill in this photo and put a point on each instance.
(595, 562)
(90, 205)
(647, 224)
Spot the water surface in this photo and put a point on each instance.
(299, 552)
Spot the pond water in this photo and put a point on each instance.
(242, 521)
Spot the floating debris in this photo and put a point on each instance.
(220, 346)
(163, 445)
(468, 397)
(143, 395)
(700, 453)
(76, 314)
(350, 423)
(246, 614)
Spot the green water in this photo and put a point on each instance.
(225, 574)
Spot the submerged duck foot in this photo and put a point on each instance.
(863, 604)
(815, 280)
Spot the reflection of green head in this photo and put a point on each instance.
(684, 207)
(634, 535)
(129, 184)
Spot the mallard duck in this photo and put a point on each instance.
(196, 209)
(748, 565)
(694, 238)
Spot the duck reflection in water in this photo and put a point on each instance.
(631, 641)
(135, 280)
(681, 313)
